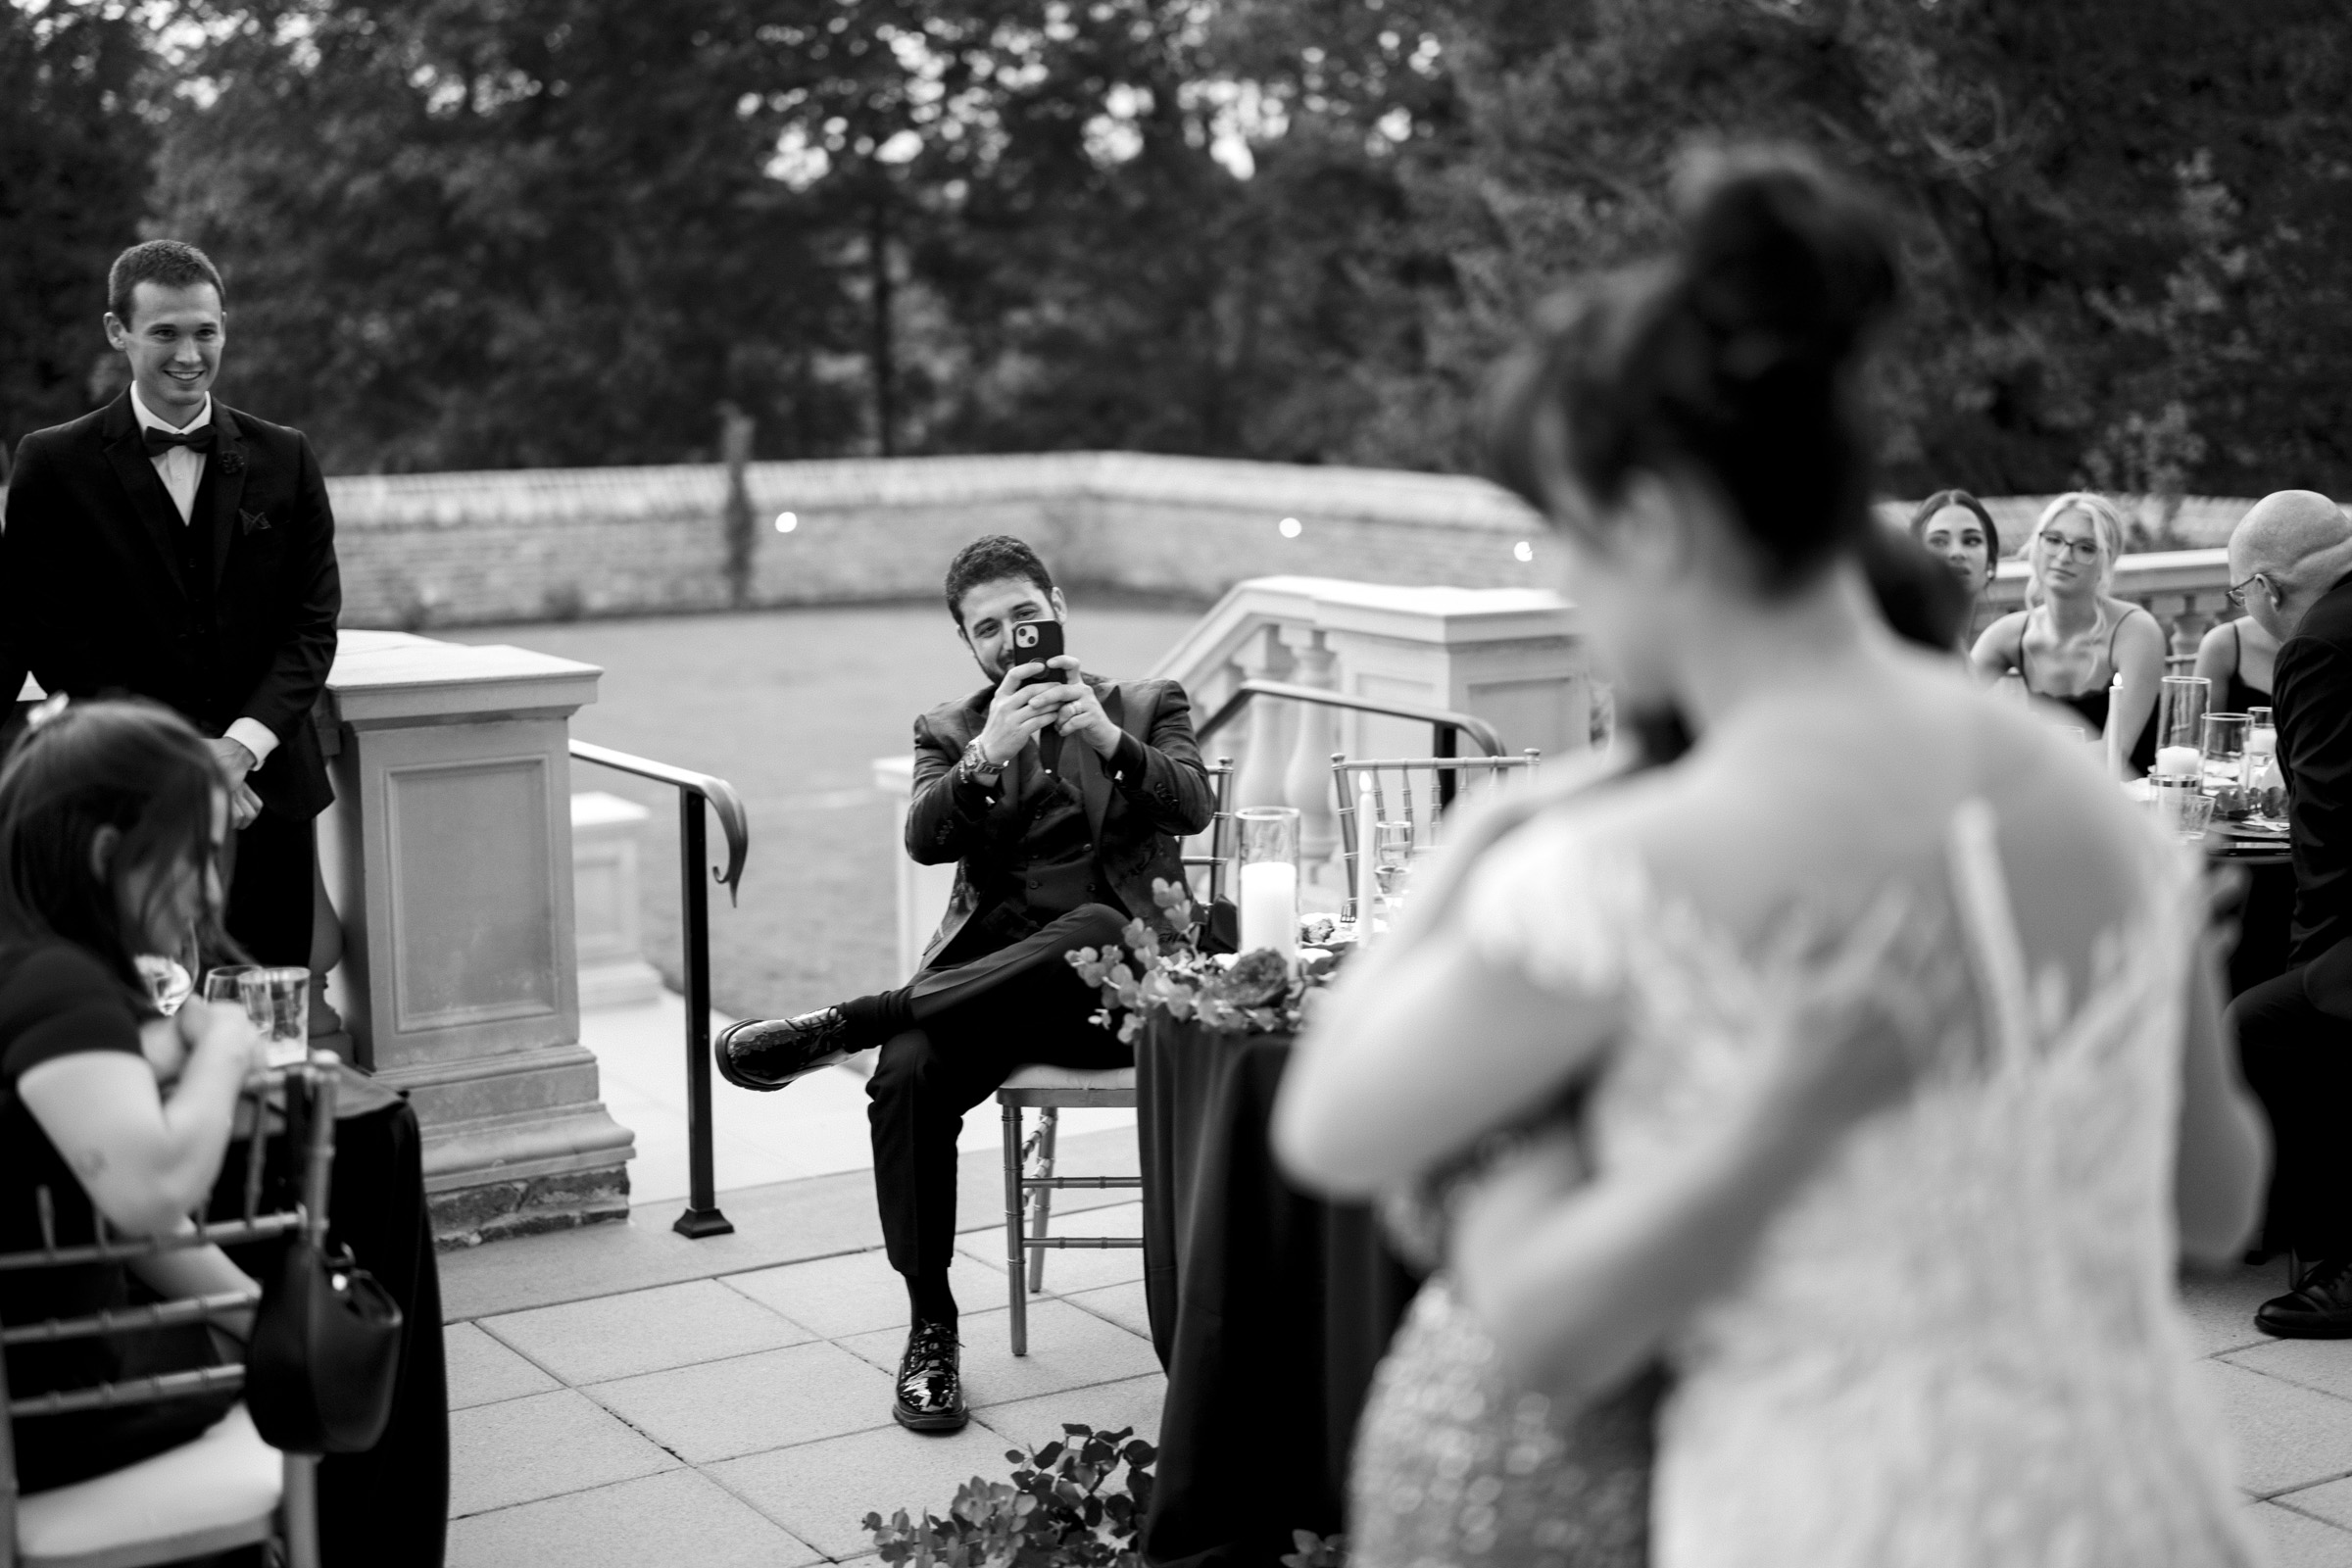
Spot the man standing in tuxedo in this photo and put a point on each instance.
(2290, 564)
(1061, 802)
(166, 546)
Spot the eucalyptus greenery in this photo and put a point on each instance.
(1257, 993)
(1061, 1510)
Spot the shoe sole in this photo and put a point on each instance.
(915, 1422)
(729, 1070)
(2301, 1330)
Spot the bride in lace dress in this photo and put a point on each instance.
(1890, 1028)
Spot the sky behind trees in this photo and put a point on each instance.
(487, 234)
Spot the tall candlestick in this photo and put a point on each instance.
(1367, 856)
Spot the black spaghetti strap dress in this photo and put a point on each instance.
(2092, 704)
(2239, 695)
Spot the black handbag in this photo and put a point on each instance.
(324, 1357)
(325, 1354)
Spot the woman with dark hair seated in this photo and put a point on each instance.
(112, 825)
(112, 818)
(1954, 527)
(2241, 659)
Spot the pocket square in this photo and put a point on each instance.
(253, 521)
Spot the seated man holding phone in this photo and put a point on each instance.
(1062, 796)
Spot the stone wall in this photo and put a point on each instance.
(421, 550)
(451, 549)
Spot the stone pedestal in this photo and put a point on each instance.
(605, 834)
(450, 858)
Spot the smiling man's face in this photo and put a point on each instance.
(172, 341)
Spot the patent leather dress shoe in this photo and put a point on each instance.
(931, 1381)
(765, 1054)
(2318, 1307)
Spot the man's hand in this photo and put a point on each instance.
(1081, 714)
(235, 762)
(1016, 713)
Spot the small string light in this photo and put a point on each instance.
(1290, 528)
(1523, 551)
(786, 521)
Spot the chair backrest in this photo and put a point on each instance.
(311, 1114)
(1418, 790)
(1216, 855)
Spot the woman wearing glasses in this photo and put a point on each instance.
(2074, 637)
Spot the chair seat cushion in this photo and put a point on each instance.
(211, 1486)
(1096, 1080)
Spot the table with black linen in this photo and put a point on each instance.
(2266, 912)
(1269, 1309)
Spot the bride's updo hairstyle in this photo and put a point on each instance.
(1729, 360)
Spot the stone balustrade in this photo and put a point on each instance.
(2184, 589)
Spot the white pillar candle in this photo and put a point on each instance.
(2176, 762)
(1270, 906)
(1367, 858)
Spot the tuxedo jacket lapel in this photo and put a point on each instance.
(227, 471)
(1094, 783)
(142, 491)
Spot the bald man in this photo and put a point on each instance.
(2290, 564)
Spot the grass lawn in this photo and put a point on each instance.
(790, 706)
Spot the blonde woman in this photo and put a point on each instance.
(2074, 637)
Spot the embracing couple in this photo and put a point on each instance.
(1806, 1130)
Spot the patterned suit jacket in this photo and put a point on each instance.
(1140, 802)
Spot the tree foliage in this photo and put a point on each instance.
(74, 156)
(493, 232)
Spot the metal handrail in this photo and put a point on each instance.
(1445, 724)
(702, 1217)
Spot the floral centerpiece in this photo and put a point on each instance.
(1257, 991)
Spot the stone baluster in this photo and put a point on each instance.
(1307, 783)
(1266, 757)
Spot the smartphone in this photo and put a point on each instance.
(1034, 642)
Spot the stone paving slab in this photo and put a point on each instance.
(2330, 1500)
(645, 1331)
(817, 1216)
(482, 1371)
(1067, 1350)
(1124, 1304)
(856, 1292)
(2286, 1436)
(725, 1409)
(1106, 1407)
(677, 1517)
(822, 1491)
(2300, 1542)
(540, 1445)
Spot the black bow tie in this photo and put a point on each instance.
(199, 439)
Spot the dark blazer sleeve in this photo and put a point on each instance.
(55, 650)
(947, 818)
(2312, 690)
(313, 599)
(1162, 775)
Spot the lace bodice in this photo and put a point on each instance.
(1957, 1344)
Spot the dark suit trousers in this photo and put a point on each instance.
(2298, 1062)
(270, 888)
(975, 1022)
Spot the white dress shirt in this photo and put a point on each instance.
(182, 469)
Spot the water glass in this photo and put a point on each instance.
(2182, 809)
(278, 1000)
(1392, 864)
(2266, 781)
(2222, 774)
(1267, 853)
(225, 985)
(2181, 704)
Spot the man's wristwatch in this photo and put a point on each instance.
(975, 768)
